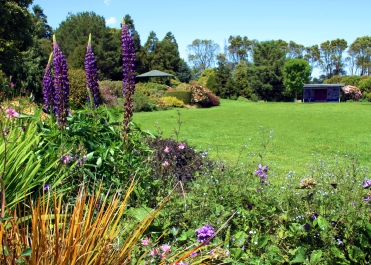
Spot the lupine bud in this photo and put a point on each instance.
(48, 85)
(128, 71)
(91, 74)
(61, 85)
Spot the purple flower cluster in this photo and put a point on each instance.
(91, 74)
(205, 233)
(367, 183)
(61, 85)
(262, 173)
(128, 71)
(48, 85)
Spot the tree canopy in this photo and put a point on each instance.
(296, 73)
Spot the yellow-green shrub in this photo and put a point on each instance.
(173, 102)
(77, 81)
(184, 95)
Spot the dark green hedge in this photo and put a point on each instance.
(183, 95)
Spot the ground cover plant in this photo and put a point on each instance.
(300, 130)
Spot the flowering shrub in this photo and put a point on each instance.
(203, 96)
(176, 161)
(108, 97)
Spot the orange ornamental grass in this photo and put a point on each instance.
(86, 233)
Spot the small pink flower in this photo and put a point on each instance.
(10, 113)
(167, 150)
(153, 252)
(181, 145)
(146, 242)
(165, 248)
(165, 164)
(163, 255)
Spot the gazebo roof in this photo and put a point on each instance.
(155, 73)
(323, 85)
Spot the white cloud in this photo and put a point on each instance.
(110, 21)
(107, 2)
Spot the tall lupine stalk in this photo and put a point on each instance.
(61, 85)
(91, 74)
(128, 71)
(48, 85)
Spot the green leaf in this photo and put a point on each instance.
(99, 162)
(26, 252)
(262, 241)
(299, 256)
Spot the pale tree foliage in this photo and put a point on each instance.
(331, 61)
(238, 49)
(202, 54)
(360, 55)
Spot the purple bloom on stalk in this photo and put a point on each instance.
(46, 187)
(205, 233)
(91, 74)
(66, 159)
(306, 226)
(48, 85)
(367, 199)
(128, 72)
(61, 85)
(367, 183)
(314, 216)
(261, 171)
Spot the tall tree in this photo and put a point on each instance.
(184, 73)
(73, 34)
(238, 49)
(240, 80)
(331, 61)
(15, 33)
(338, 47)
(295, 50)
(202, 54)
(360, 49)
(265, 75)
(296, 73)
(223, 75)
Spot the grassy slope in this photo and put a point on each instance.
(299, 130)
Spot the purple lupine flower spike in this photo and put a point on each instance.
(61, 85)
(128, 71)
(91, 74)
(48, 85)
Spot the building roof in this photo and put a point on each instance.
(154, 73)
(323, 85)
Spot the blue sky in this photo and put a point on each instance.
(306, 22)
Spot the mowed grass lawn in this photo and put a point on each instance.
(300, 130)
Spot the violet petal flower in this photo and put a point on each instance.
(367, 183)
(204, 233)
(48, 85)
(128, 72)
(61, 85)
(91, 74)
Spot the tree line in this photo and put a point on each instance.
(246, 67)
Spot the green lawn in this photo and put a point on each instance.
(299, 130)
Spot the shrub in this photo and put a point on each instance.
(183, 86)
(107, 96)
(173, 102)
(205, 76)
(241, 98)
(214, 100)
(201, 96)
(212, 84)
(174, 82)
(156, 86)
(142, 102)
(184, 95)
(78, 92)
(176, 161)
(115, 87)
